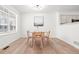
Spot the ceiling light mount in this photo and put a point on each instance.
(37, 7)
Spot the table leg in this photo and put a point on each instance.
(42, 43)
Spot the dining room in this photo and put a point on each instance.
(39, 29)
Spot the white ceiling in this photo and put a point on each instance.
(48, 8)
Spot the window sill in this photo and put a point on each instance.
(7, 33)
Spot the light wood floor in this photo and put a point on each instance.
(53, 46)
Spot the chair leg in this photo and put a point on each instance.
(32, 43)
(27, 41)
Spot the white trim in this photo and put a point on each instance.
(7, 33)
(68, 42)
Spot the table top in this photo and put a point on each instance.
(38, 34)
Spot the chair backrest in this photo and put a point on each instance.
(47, 34)
(29, 34)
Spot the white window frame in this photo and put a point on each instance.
(9, 31)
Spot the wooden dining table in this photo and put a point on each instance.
(37, 38)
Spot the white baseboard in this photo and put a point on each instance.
(70, 43)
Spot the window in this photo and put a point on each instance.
(65, 19)
(7, 20)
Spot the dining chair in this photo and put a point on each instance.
(29, 37)
(46, 37)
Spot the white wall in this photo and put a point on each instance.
(49, 22)
(8, 38)
(68, 32)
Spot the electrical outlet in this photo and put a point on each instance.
(77, 43)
